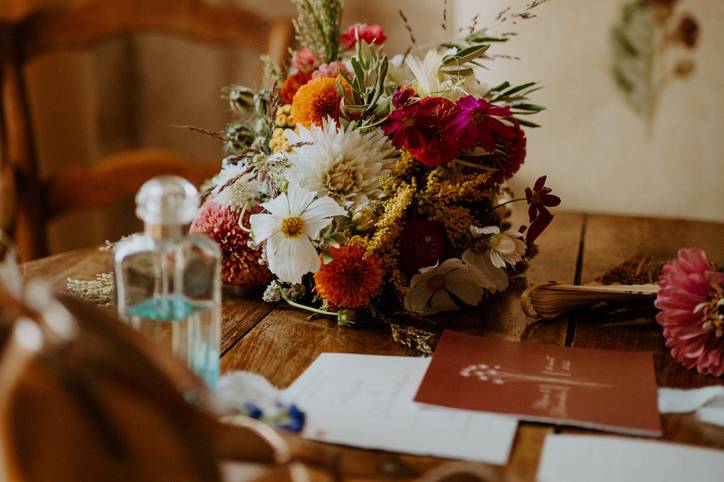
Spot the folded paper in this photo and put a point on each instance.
(600, 389)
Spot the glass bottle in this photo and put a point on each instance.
(168, 283)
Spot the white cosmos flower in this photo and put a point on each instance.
(293, 221)
(235, 186)
(430, 289)
(494, 278)
(507, 247)
(345, 164)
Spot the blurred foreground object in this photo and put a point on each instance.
(83, 397)
(38, 28)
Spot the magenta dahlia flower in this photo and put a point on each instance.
(691, 300)
(478, 122)
(239, 262)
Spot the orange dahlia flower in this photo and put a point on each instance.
(292, 85)
(316, 100)
(350, 280)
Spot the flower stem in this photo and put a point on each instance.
(304, 307)
(507, 202)
(472, 164)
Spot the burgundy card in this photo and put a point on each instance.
(600, 389)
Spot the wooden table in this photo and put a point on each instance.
(280, 343)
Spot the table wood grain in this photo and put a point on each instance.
(280, 342)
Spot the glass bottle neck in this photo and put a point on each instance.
(166, 231)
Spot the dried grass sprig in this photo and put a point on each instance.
(99, 290)
(317, 27)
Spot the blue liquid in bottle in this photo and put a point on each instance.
(168, 283)
(188, 329)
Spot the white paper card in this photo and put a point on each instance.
(707, 402)
(367, 401)
(573, 458)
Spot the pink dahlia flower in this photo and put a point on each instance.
(239, 263)
(367, 33)
(691, 300)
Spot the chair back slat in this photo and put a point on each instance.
(81, 26)
(30, 28)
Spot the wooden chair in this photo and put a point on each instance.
(28, 202)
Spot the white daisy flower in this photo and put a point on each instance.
(344, 164)
(507, 247)
(235, 186)
(293, 221)
(430, 289)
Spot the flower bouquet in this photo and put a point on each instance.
(362, 183)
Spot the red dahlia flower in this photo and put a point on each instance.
(420, 128)
(422, 243)
(403, 96)
(477, 122)
(512, 155)
(691, 300)
(367, 33)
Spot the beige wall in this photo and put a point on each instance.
(598, 154)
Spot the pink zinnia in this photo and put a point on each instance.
(367, 33)
(478, 122)
(691, 300)
(239, 263)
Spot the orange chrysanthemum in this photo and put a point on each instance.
(350, 280)
(316, 100)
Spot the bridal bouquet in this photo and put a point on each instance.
(358, 182)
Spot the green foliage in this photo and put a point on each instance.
(467, 53)
(367, 84)
(516, 97)
(317, 27)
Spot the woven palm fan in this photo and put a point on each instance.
(630, 282)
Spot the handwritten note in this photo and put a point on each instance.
(367, 401)
(573, 458)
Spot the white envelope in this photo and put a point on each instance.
(367, 401)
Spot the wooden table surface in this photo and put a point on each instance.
(280, 343)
